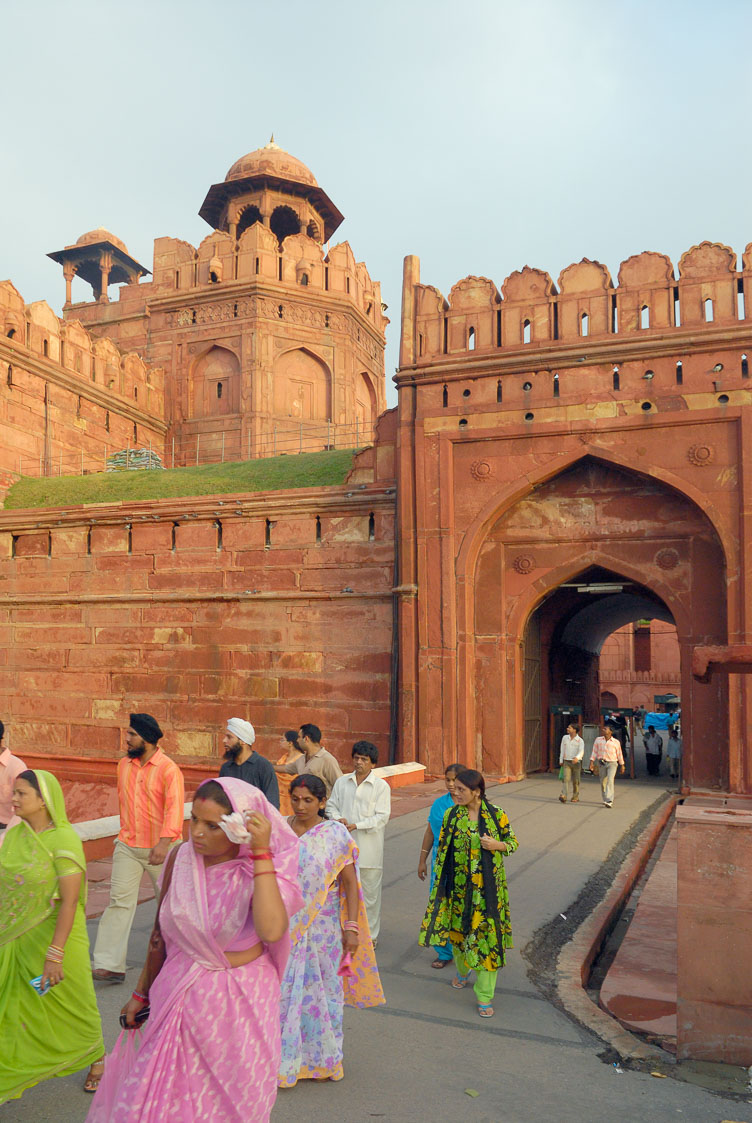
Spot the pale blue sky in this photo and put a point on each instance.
(482, 136)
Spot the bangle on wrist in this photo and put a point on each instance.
(139, 996)
(261, 855)
(260, 873)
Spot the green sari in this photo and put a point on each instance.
(469, 902)
(60, 1032)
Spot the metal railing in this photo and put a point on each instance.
(285, 438)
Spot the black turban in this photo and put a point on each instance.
(146, 727)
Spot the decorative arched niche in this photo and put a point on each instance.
(365, 403)
(215, 384)
(302, 386)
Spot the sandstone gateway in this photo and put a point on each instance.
(565, 458)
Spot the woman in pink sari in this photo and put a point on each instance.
(210, 1049)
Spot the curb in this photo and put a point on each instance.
(576, 958)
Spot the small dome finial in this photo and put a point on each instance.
(271, 139)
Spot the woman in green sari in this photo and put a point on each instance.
(43, 933)
(469, 903)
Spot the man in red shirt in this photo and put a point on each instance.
(607, 752)
(151, 793)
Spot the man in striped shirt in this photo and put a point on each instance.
(151, 793)
(607, 752)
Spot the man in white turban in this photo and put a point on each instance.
(242, 762)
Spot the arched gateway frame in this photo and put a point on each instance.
(592, 513)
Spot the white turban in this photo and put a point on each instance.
(243, 730)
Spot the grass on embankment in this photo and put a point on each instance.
(308, 469)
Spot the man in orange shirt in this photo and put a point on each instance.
(151, 793)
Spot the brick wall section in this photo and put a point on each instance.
(197, 610)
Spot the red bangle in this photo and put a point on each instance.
(261, 855)
(262, 872)
(140, 997)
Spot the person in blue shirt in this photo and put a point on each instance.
(430, 844)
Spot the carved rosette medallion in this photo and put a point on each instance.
(700, 455)
(524, 563)
(667, 559)
(481, 470)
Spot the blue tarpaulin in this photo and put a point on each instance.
(660, 721)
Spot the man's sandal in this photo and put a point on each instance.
(460, 981)
(440, 964)
(93, 1076)
(485, 1010)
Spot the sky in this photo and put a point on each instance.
(482, 135)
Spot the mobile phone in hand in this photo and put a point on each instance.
(37, 984)
(140, 1018)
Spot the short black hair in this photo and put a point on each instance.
(210, 789)
(312, 732)
(365, 748)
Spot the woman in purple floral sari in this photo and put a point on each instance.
(332, 923)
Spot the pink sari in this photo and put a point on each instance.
(211, 1047)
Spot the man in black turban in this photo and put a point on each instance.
(151, 794)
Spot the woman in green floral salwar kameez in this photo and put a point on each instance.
(469, 903)
(43, 933)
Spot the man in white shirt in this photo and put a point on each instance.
(571, 752)
(653, 743)
(363, 802)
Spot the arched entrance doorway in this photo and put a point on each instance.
(648, 549)
(569, 628)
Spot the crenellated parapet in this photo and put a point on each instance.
(650, 296)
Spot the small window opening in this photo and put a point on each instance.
(708, 310)
(446, 335)
(12, 333)
(471, 339)
(463, 423)
(219, 390)
(213, 277)
(174, 538)
(88, 540)
(281, 311)
(556, 320)
(279, 269)
(78, 406)
(369, 308)
(326, 319)
(49, 543)
(644, 316)
(677, 308)
(526, 331)
(556, 385)
(646, 406)
(177, 278)
(268, 535)
(745, 367)
(614, 315)
(445, 396)
(723, 399)
(135, 393)
(584, 325)
(617, 380)
(318, 528)
(371, 527)
(257, 265)
(498, 327)
(465, 393)
(326, 278)
(420, 343)
(129, 528)
(10, 379)
(304, 279)
(14, 544)
(235, 311)
(45, 348)
(135, 433)
(498, 391)
(530, 417)
(107, 420)
(193, 316)
(679, 374)
(741, 313)
(347, 284)
(527, 386)
(218, 527)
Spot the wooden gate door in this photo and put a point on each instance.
(533, 726)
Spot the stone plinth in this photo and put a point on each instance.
(714, 930)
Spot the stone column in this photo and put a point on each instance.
(69, 272)
(105, 265)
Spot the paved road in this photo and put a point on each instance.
(412, 1060)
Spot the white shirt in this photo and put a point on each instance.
(572, 748)
(368, 804)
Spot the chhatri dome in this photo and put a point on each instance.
(263, 184)
(92, 237)
(274, 161)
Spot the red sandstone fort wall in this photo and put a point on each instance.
(274, 607)
(66, 399)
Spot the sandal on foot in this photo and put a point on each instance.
(440, 964)
(93, 1076)
(485, 1010)
(459, 981)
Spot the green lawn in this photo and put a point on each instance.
(309, 469)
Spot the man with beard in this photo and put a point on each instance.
(242, 762)
(151, 794)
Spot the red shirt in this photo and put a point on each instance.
(152, 799)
